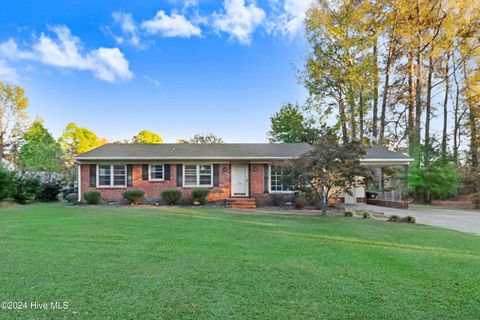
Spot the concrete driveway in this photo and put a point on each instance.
(454, 219)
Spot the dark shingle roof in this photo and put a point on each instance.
(218, 151)
(196, 151)
(379, 152)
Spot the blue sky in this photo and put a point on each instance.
(173, 67)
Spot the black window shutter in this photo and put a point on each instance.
(265, 178)
(179, 175)
(93, 175)
(216, 177)
(144, 171)
(166, 168)
(129, 175)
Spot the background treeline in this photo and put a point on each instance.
(401, 73)
(36, 166)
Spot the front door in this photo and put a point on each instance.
(239, 180)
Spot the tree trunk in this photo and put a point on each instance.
(456, 120)
(418, 97)
(445, 107)
(360, 115)
(386, 86)
(456, 126)
(471, 120)
(375, 91)
(473, 137)
(411, 101)
(353, 125)
(428, 108)
(1, 153)
(418, 85)
(324, 204)
(343, 118)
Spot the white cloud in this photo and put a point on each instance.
(65, 51)
(7, 73)
(109, 64)
(61, 52)
(290, 19)
(175, 25)
(238, 19)
(9, 50)
(129, 29)
(153, 81)
(190, 3)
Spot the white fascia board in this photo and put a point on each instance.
(385, 162)
(179, 158)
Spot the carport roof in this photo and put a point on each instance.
(380, 156)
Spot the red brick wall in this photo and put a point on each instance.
(152, 189)
(256, 185)
(391, 204)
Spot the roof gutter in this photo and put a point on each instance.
(387, 160)
(184, 158)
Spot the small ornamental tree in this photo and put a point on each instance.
(326, 171)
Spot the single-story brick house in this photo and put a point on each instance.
(230, 171)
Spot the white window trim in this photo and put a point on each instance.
(270, 183)
(150, 170)
(198, 176)
(111, 176)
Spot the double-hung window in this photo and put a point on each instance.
(156, 172)
(277, 183)
(196, 175)
(112, 175)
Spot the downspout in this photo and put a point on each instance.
(79, 181)
(405, 177)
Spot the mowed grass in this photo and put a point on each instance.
(182, 263)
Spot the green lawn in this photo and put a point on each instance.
(134, 263)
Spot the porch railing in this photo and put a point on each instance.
(393, 195)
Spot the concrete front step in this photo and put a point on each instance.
(241, 207)
(241, 203)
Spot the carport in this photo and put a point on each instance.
(388, 185)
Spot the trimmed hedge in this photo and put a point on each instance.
(475, 199)
(26, 189)
(300, 203)
(133, 196)
(92, 196)
(367, 215)
(171, 196)
(408, 219)
(394, 218)
(72, 198)
(277, 199)
(349, 213)
(49, 192)
(200, 195)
